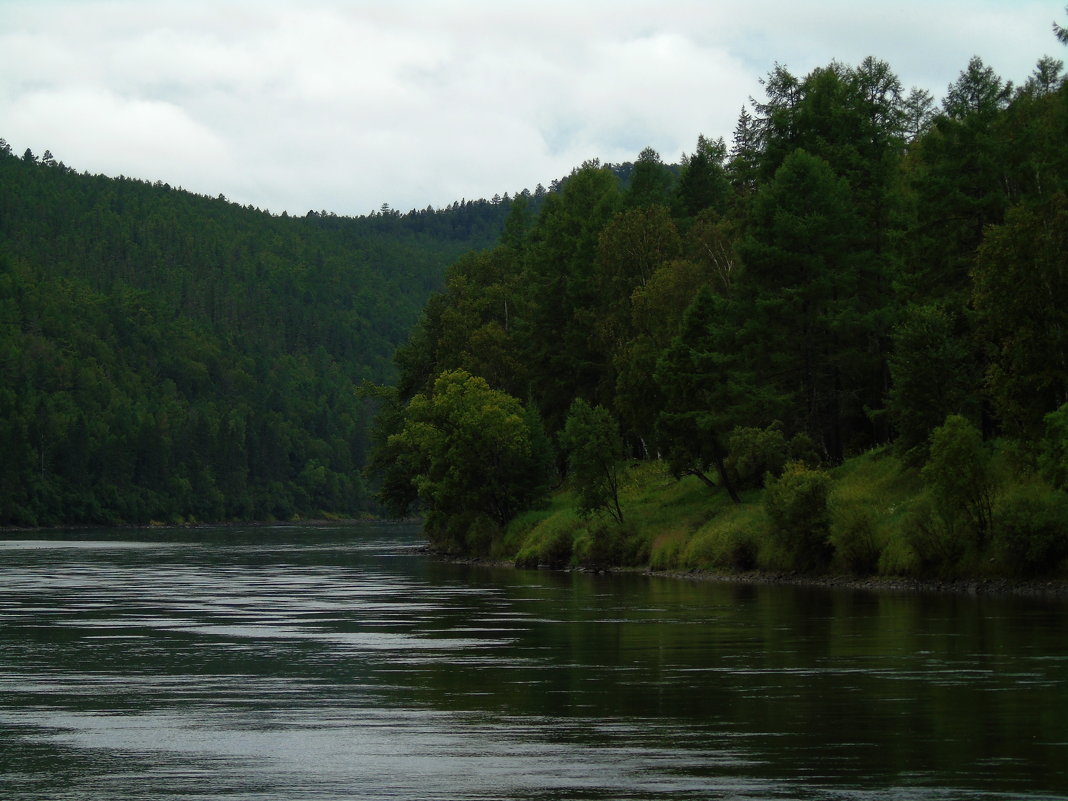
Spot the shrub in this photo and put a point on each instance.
(1031, 529)
(798, 516)
(479, 534)
(550, 544)
(755, 452)
(960, 478)
(938, 547)
(633, 546)
(898, 558)
(666, 551)
(470, 534)
(802, 449)
(731, 540)
(722, 545)
(1053, 459)
(599, 546)
(855, 539)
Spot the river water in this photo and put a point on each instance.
(311, 663)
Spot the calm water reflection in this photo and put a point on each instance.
(340, 664)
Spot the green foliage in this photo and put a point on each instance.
(551, 542)
(957, 175)
(1030, 533)
(826, 277)
(805, 297)
(1021, 304)
(755, 454)
(801, 448)
(729, 542)
(591, 441)
(469, 451)
(169, 357)
(933, 546)
(707, 392)
(855, 538)
(703, 184)
(562, 344)
(961, 480)
(930, 377)
(471, 533)
(468, 326)
(600, 546)
(798, 515)
(666, 551)
(1053, 458)
(390, 464)
(650, 181)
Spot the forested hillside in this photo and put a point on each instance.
(862, 270)
(167, 356)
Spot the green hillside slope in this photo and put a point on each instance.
(167, 356)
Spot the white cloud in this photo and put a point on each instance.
(99, 131)
(327, 104)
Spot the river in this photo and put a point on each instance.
(341, 663)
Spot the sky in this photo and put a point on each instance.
(346, 105)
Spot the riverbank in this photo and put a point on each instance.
(876, 527)
(1052, 588)
(1034, 588)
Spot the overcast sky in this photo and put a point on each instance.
(346, 105)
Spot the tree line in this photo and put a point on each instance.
(861, 267)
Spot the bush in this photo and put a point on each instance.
(960, 478)
(722, 545)
(479, 534)
(754, 453)
(550, 544)
(798, 516)
(598, 547)
(898, 558)
(1053, 459)
(855, 539)
(802, 449)
(470, 534)
(731, 540)
(666, 551)
(938, 547)
(1031, 529)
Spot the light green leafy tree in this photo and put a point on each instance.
(469, 450)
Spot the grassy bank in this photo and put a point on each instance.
(871, 516)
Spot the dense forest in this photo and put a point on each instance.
(839, 341)
(171, 357)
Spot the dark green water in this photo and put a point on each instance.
(296, 663)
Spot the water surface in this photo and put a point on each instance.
(298, 663)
